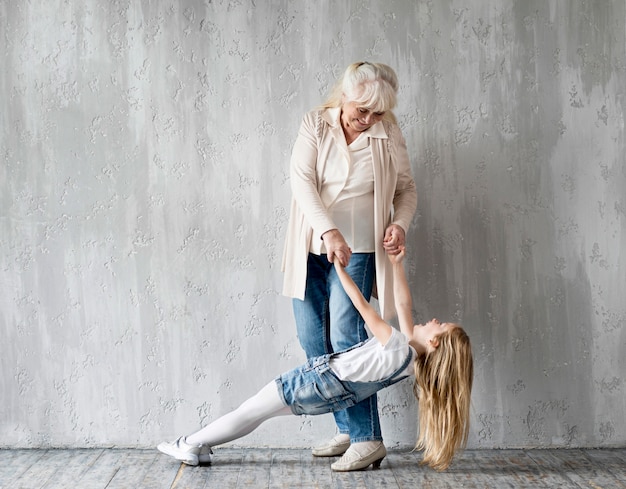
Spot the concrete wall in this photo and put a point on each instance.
(144, 195)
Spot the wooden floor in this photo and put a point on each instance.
(291, 469)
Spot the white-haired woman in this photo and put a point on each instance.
(353, 199)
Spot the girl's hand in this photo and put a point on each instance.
(397, 258)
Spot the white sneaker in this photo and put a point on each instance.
(182, 451)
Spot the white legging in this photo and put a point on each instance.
(264, 405)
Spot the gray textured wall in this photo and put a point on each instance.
(144, 195)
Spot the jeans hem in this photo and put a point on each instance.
(279, 385)
(362, 439)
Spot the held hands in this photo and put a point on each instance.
(336, 247)
(394, 239)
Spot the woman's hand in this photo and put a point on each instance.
(394, 239)
(336, 247)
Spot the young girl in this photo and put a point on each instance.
(438, 355)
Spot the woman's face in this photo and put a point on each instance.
(358, 118)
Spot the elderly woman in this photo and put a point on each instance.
(353, 199)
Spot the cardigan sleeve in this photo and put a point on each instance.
(305, 186)
(405, 196)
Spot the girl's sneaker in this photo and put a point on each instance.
(180, 450)
(204, 457)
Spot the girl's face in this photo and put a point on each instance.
(428, 332)
(436, 327)
(357, 117)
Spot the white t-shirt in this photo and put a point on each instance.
(372, 361)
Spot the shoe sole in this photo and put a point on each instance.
(374, 459)
(375, 465)
(330, 452)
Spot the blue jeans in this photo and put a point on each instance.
(313, 388)
(327, 322)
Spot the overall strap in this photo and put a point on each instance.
(392, 378)
(316, 362)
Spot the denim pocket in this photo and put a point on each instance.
(325, 394)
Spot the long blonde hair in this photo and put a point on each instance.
(371, 85)
(443, 387)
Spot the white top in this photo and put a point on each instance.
(352, 209)
(372, 361)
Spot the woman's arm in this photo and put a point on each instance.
(379, 328)
(405, 196)
(303, 177)
(303, 173)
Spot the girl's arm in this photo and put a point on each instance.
(402, 294)
(379, 328)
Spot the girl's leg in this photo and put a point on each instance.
(264, 405)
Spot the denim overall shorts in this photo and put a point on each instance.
(313, 388)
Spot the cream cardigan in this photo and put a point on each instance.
(395, 198)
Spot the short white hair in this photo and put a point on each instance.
(370, 85)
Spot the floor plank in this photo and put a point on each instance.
(316, 473)
(612, 461)
(286, 470)
(15, 463)
(161, 473)
(134, 469)
(77, 463)
(581, 470)
(255, 468)
(102, 471)
(235, 468)
(39, 474)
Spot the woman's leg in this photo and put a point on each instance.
(311, 314)
(264, 405)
